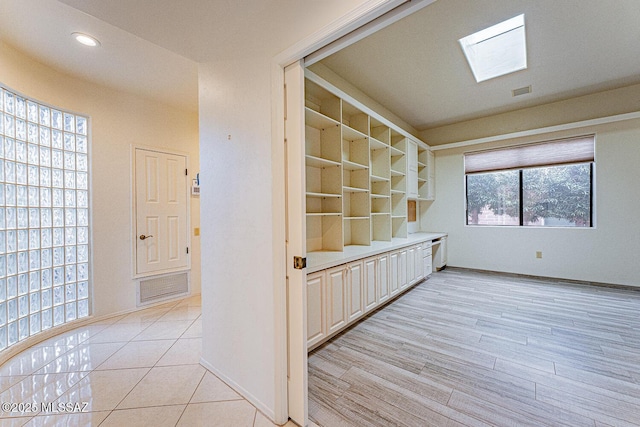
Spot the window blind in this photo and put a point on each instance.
(557, 152)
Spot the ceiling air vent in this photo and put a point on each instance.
(521, 91)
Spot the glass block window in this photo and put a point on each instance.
(44, 217)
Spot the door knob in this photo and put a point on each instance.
(142, 236)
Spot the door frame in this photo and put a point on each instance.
(370, 16)
(134, 209)
(297, 384)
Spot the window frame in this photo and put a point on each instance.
(520, 170)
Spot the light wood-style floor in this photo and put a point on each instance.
(469, 348)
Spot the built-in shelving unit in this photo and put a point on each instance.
(357, 173)
(426, 175)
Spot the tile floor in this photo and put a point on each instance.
(141, 369)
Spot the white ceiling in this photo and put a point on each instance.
(153, 47)
(414, 67)
(417, 69)
(42, 29)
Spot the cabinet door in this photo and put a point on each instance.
(428, 265)
(418, 263)
(426, 249)
(411, 265)
(427, 258)
(370, 279)
(316, 324)
(394, 276)
(355, 280)
(336, 299)
(383, 278)
(402, 269)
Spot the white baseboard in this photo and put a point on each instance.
(267, 412)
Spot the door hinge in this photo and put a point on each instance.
(187, 249)
(186, 172)
(299, 262)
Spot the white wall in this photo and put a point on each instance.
(119, 120)
(236, 191)
(607, 253)
(592, 106)
(241, 185)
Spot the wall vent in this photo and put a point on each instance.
(159, 288)
(521, 91)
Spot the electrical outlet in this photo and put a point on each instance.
(538, 254)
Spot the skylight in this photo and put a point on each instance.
(497, 50)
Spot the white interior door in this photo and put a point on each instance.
(161, 240)
(297, 398)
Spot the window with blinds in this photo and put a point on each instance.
(548, 184)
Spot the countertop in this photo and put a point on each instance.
(317, 261)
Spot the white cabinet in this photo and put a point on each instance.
(418, 264)
(401, 269)
(336, 299)
(412, 170)
(411, 265)
(427, 259)
(383, 278)
(371, 274)
(415, 264)
(355, 287)
(360, 171)
(394, 274)
(431, 183)
(340, 295)
(426, 174)
(316, 302)
(398, 151)
(323, 172)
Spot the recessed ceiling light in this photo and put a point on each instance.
(497, 50)
(86, 39)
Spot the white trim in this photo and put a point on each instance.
(539, 131)
(393, 15)
(298, 387)
(344, 25)
(92, 303)
(162, 272)
(280, 413)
